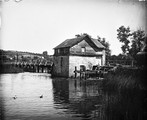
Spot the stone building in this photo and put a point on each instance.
(77, 52)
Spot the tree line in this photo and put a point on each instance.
(132, 43)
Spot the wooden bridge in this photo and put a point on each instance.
(42, 67)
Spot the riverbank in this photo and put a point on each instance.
(126, 79)
(126, 94)
(9, 69)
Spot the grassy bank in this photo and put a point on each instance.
(9, 69)
(125, 91)
(126, 79)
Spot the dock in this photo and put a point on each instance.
(94, 74)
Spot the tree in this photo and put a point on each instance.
(138, 38)
(132, 41)
(45, 54)
(106, 45)
(123, 36)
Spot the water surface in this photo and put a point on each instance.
(63, 99)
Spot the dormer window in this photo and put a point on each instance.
(83, 49)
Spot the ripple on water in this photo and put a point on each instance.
(62, 99)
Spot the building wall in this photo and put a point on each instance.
(66, 59)
(77, 49)
(61, 66)
(88, 62)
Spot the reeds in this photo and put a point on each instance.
(125, 91)
(126, 79)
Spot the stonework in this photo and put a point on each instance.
(61, 66)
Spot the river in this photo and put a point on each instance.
(63, 99)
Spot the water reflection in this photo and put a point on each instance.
(81, 99)
(60, 91)
(27, 87)
(125, 105)
(66, 99)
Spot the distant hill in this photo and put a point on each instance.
(11, 55)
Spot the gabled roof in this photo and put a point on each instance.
(97, 43)
(74, 41)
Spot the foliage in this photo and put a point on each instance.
(123, 36)
(133, 42)
(137, 42)
(120, 57)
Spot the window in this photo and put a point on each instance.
(58, 51)
(83, 49)
(65, 50)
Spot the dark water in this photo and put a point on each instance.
(63, 99)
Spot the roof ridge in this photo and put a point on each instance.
(73, 41)
(70, 42)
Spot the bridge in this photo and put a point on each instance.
(39, 67)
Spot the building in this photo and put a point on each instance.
(77, 52)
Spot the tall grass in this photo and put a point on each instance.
(126, 79)
(125, 91)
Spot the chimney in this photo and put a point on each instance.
(77, 35)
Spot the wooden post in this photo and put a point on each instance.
(80, 73)
(96, 73)
(33, 68)
(42, 67)
(85, 75)
(75, 84)
(75, 71)
(38, 68)
(46, 71)
(132, 63)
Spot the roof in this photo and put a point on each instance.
(74, 41)
(97, 43)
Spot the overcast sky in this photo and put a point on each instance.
(40, 25)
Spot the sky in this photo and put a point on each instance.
(40, 25)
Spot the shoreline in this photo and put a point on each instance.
(6, 69)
